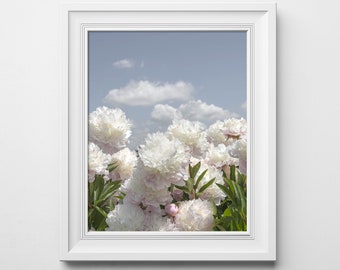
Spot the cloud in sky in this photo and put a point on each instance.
(145, 93)
(164, 113)
(194, 110)
(124, 63)
(244, 105)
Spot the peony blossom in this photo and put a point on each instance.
(191, 134)
(137, 192)
(215, 133)
(228, 131)
(239, 150)
(126, 161)
(97, 162)
(235, 127)
(165, 157)
(168, 225)
(195, 215)
(156, 221)
(218, 156)
(125, 217)
(151, 179)
(109, 128)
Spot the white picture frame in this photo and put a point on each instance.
(259, 242)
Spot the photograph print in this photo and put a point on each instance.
(167, 131)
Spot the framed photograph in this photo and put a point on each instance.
(169, 132)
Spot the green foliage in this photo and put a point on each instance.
(231, 214)
(191, 188)
(101, 197)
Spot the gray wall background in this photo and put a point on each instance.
(308, 132)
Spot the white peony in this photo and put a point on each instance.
(126, 161)
(125, 217)
(138, 192)
(215, 133)
(156, 197)
(227, 132)
(151, 179)
(97, 162)
(134, 190)
(235, 127)
(109, 128)
(168, 225)
(164, 156)
(191, 134)
(219, 156)
(155, 219)
(156, 181)
(239, 150)
(195, 215)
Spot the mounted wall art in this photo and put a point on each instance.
(169, 132)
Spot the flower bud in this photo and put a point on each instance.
(171, 209)
(177, 194)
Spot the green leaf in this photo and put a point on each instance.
(190, 171)
(120, 197)
(241, 179)
(199, 179)
(90, 212)
(224, 174)
(220, 228)
(227, 213)
(195, 169)
(109, 189)
(101, 211)
(98, 187)
(91, 189)
(190, 184)
(171, 189)
(213, 205)
(111, 205)
(112, 166)
(95, 196)
(233, 185)
(226, 192)
(183, 188)
(230, 184)
(96, 220)
(242, 198)
(226, 220)
(102, 226)
(232, 172)
(205, 186)
(234, 221)
(106, 195)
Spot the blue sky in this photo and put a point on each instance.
(157, 76)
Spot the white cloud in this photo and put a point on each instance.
(124, 63)
(244, 105)
(201, 111)
(144, 93)
(194, 110)
(164, 113)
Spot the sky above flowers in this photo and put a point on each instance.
(156, 77)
